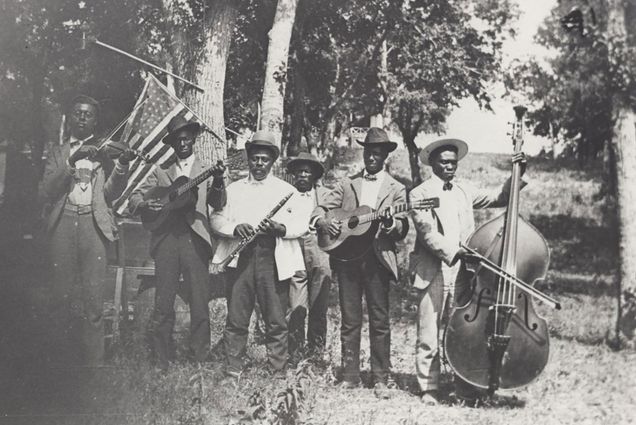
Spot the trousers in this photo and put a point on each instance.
(255, 279)
(181, 253)
(77, 252)
(367, 277)
(309, 299)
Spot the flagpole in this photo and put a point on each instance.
(158, 68)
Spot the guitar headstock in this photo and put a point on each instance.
(426, 204)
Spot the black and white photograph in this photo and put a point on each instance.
(316, 212)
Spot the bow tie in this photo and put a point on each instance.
(370, 177)
(447, 186)
(307, 194)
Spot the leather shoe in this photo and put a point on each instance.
(430, 398)
(383, 391)
(348, 385)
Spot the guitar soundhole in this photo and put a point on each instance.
(353, 222)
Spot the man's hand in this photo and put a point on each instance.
(85, 151)
(150, 205)
(218, 169)
(272, 228)
(466, 256)
(522, 160)
(217, 172)
(127, 156)
(243, 230)
(387, 218)
(332, 227)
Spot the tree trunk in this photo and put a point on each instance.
(276, 69)
(297, 114)
(624, 145)
(416, 175)
(209, 73)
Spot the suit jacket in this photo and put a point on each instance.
(432, 247)
(197, 218)
(107, 185)
(347, 195)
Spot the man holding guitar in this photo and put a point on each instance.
(180, 243)
(372, 273)
(434, 262)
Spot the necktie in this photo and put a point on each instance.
(447, 186)
(370, 177)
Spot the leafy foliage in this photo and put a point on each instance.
(573, 91)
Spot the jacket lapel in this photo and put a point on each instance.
(196, 169)
(65, 152)
(356, 186)
(385, 190)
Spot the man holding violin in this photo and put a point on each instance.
(434, 262)
(79, 185)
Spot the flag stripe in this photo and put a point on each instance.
(145, 131)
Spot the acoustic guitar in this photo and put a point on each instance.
(359, 227)
(174, 197)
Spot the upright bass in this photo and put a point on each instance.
(495, 339)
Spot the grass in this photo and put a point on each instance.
(585, 381)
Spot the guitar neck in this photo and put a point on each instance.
(395, 209)
(425, 204)
(195, 181)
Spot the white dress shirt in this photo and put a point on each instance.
(184, 166)
(371, 188)
(451, 201)
(82, 190)
(248, 201)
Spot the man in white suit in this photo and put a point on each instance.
(434, 261)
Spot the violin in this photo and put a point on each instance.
(112, 149)
(494, 338)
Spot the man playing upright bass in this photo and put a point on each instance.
(434, 263)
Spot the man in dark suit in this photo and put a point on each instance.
(309, 288)
(182, 247)
(79, 185)
(373, 273)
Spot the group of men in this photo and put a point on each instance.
(281, 268)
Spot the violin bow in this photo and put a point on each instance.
(486, 263)
(108, 142)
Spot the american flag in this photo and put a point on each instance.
(145, 129)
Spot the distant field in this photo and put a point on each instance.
(585, 382)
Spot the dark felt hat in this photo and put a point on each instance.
(180, 123)
(378, 137)
(263, 139)
(306, 158)
(82, 99)
(459, 145)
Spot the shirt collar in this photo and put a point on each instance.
(74, 140)
(379, 175)
(185, 162)
(252, 181)
(439, 182)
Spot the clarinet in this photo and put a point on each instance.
(220, 267)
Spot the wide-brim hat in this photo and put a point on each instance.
(179, 123)
(306, 158)
(263, 139)
(460, 145)
(378, 137)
